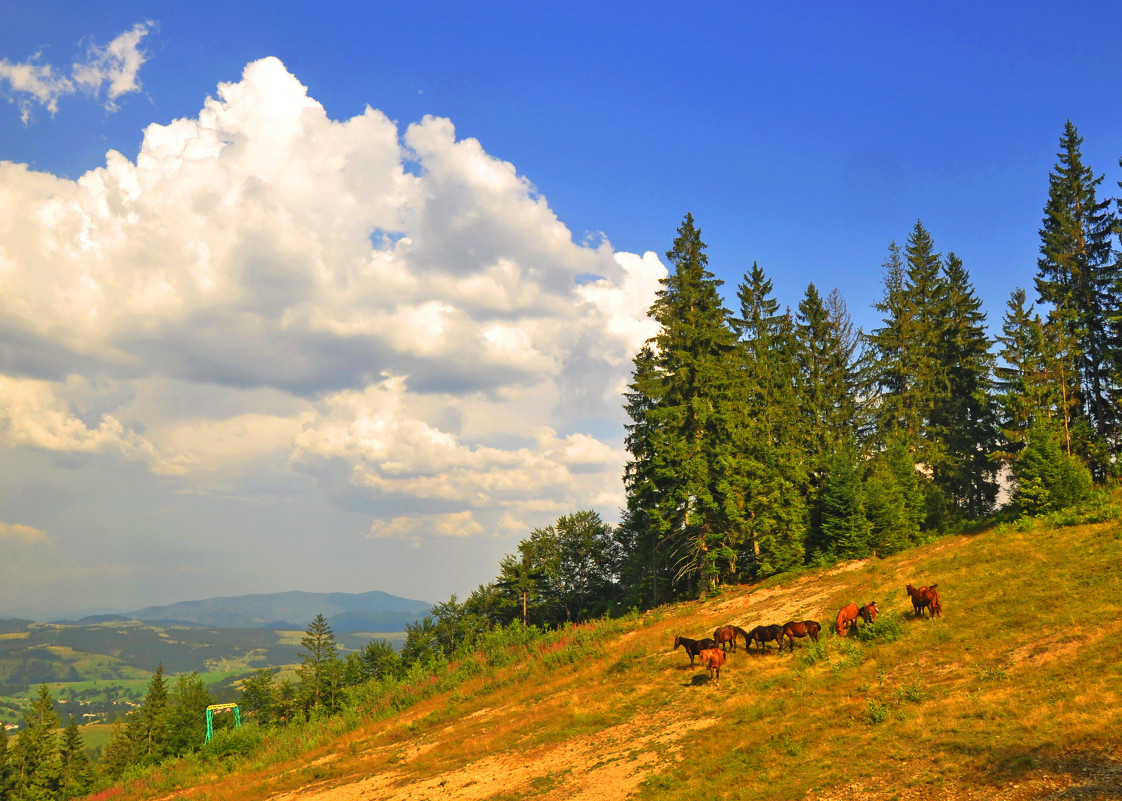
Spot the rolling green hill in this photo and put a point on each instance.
(96, 669)
(345, 612)
(1015, 693)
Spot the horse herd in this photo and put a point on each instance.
(711, 650)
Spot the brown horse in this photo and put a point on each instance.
(925, 598)
(725, 635)
(869, 612)
(761, 634)
(846, 615)
(713, 658)
(743, 634)
(693, 647)
(804, 628)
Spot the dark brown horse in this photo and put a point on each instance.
(743, 634)
(713, 658)
(693, 647)
(803, 628)
(725, 635)
(925, 598)
(761, 634)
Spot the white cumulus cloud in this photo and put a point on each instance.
(264, 288)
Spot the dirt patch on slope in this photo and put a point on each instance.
(606, 766)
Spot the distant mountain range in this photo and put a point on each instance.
(345, 612)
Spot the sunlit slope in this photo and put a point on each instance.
(1013, 694)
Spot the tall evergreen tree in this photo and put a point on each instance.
(1029, 385)
(76, 775)
(644, 536)
(691, 452)
(929, 389)
(150, 723)
(1079, 277)
(966, 416)
(893, 356)
(36, 751)
(829, 411)
(320, 668)
(7, 766)
(767, 463)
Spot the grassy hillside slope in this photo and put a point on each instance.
(1014, 694)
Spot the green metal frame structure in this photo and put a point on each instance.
(210, 710)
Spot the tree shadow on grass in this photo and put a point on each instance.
(1093, 773)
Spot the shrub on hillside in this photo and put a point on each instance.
(886, 627)
(1047, 478)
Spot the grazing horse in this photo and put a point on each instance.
(846, 615)
(693, 647)
(725, 635)
(743, 634)
(761, 634)
(805, 628)
(925, 598)
(869, 612)
(713, 658)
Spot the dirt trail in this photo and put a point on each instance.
(605, 766)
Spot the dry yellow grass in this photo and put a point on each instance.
(1013, 694)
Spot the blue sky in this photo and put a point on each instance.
(252, 391)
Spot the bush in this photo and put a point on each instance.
(1047, 478)
(886, 627)
(1099, 507)
(241, 742)
(875, 712)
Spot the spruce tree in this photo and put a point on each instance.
(895, 498)
(768, 474)
(829, 409)
(120, 753)
(692, 452)
(1079, 277)
(816, 353)
(320, 668)
(7, 766)
(149, 725)
(1020, 388)
(929, 388)
(643, 536)
(844, 530)
(259, 696)
(36, 752)
(966, 415)
(76, 775)
(893, 355)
